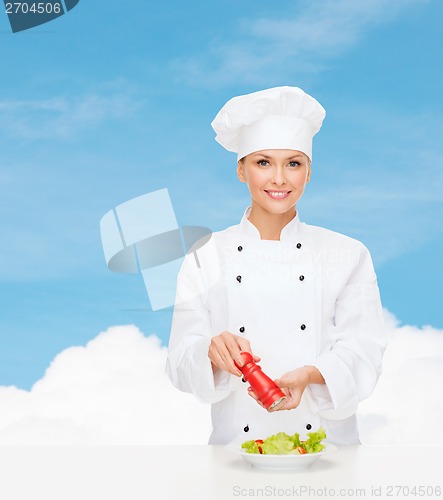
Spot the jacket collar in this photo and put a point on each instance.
(290, 232)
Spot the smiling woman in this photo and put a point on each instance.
(300, 299)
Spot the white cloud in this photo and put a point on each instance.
(407, 404)
(114, 391)
(267, 47)
(63, 116)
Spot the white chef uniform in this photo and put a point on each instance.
(310, 298)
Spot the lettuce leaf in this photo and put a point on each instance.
(295, 439)
(313, 443)
(250, 446)
(278, 444)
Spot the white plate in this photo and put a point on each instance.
(280, 462)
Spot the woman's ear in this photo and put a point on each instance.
(240, 171)
(308, 176)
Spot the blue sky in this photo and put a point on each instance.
(105, 104)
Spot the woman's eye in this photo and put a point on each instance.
(294, 164)
(263, 163)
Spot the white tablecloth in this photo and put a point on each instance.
(210, 472)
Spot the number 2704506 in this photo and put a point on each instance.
(33, 8)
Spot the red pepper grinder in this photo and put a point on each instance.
(269, 394)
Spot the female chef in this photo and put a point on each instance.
(302, 299)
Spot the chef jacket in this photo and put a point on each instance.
(310, 298)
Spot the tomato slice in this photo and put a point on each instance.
(259, 442)
(301, 450)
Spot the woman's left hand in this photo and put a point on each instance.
(293, 384)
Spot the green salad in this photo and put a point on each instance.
(283, 444)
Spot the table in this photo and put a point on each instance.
(210, 472)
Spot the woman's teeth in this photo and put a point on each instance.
(278, 194)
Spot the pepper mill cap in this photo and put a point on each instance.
(247, 358)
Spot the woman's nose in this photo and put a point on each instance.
(278, 176)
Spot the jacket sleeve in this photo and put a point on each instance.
(352, 366)
(188, 365)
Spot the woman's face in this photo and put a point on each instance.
(276, 178)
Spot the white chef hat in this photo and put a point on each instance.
(276, 118)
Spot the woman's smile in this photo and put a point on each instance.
(277, 195)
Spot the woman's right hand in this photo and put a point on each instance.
(225, 348)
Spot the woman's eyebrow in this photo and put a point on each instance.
(262, 155)
(297, 155)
